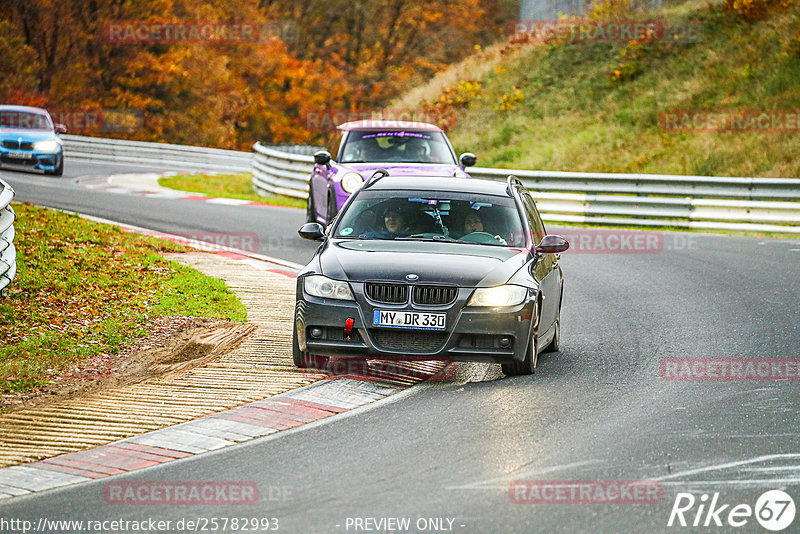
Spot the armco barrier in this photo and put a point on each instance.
(656, 200)
(156, 155)
(283, 171)
(8, 254)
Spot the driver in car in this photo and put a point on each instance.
(473, 223)
(415, 151)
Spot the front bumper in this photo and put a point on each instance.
(33, 160)
(497, 335)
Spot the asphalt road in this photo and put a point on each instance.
(596, 411)
(275, 229)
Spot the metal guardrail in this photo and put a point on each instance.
(700, 202)
(656, 200)
(8, 254)
(161, 155)
(279, 172)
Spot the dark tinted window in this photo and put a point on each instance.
(450, 216)
(382, 146)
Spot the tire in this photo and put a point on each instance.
(333, 209)
(311, 213)
(556, 341)
(526, 366)
(298, 356)
(303, 360)
(60, 168)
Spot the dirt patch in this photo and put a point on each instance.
(176, 345)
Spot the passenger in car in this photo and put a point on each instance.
(394, 220)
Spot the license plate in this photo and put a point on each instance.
(404, 319)
(20, 155)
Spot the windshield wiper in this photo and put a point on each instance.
(432, 238)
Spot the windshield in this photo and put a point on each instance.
(433, 216)
(25, 120)
(380, 146)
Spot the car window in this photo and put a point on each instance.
(382, 146)
(535, 220)
(25, 120)
(438, 216)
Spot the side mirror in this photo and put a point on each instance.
(60, 128)
(323, 157)
(468, 159)
(552, 244)
(312, 231)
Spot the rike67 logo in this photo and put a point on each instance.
(774, 510)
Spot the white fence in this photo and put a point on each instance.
(8, 254)
(656, 200)
(160, 155)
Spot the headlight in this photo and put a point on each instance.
(508, 295)
(46, 146)
(352, 181)
(322, 286)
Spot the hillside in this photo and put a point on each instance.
(582, 106)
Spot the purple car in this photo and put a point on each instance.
(362, 147)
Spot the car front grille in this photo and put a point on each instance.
(387, 293)
(26, 146)
(15, 161)
(10, 144)
(411, 341)
(434, 295)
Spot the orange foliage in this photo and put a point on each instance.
(332, 54)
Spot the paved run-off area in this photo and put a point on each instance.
(260, 367)
(252, 391)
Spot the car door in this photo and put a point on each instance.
(545, 269)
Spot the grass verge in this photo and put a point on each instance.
(597, 107)
(84, 289)
(236, 186)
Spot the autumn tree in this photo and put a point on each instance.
(229, 94)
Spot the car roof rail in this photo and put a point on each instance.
(511, 182)
(377, 175)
